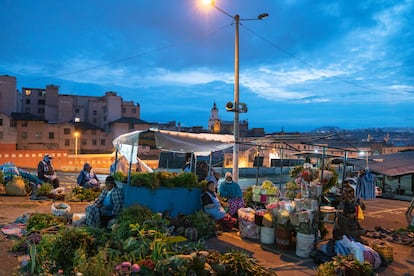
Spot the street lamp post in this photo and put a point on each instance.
(77, 134)
(236, 101)
(235, 106)
(76, 149)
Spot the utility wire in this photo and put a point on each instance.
(155, 50)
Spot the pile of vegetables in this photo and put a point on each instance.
(142, 243)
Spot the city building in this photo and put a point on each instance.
(82, 128)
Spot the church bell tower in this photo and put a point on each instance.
(214, 122)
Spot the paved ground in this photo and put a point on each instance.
(380, 212)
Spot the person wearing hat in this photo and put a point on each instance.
(214, 176)
(46, 172)
(347, 224)
(349, 197)
(87, 178)
(230, 190)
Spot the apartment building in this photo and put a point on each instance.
(60, 108)
(41, 118)
(9, 95)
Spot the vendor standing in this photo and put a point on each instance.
(230, 190)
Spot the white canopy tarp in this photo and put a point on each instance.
(174, 141)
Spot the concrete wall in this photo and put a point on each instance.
(62, 160)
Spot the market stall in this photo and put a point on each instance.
(294, 212)
(174, 200)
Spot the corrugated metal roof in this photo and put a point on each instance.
(396, 164)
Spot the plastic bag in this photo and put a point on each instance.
(359, 212)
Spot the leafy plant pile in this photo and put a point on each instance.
(159, 179)
(80, 194)
(345, 265)
(44, 189)
(41, 221)
(142, 243)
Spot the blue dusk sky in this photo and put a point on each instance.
(311, 63)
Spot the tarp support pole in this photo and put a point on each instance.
(344, 172)
(130, 162)
(191, 161)
(210, 167)
(281, 167)
(116, 160)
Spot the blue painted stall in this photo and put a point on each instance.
(175, 200)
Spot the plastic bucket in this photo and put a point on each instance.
(258, 219)
(283, 237)
(304, 244)
(267, 235)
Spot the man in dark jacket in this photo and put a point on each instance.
(46, 172)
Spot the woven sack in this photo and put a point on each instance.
(16, 187)
(384, 249)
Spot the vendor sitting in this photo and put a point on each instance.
(212, 206)
(87, 178)
(107, 206)
(348, 225)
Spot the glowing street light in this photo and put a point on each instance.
(235, 107)
(77, 134)
(76, 148)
